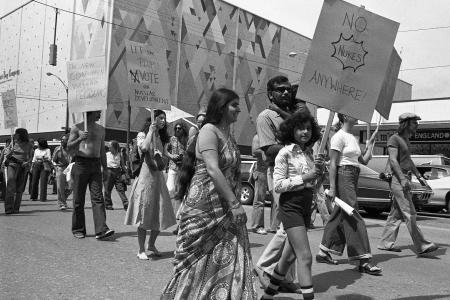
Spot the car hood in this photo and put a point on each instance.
(441, 183)
(416, 186)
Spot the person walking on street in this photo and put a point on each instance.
(2, 170)
(199, 120)
(88, 148)
(267, 126)
(402, 207)
(150, 207)
(17, 162)
(260, 176)
(342, 229)
(41, 168)
(61, 160)
(295, 178)
(115, 167)
(213, 259)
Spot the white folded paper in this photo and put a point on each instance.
(345, 207)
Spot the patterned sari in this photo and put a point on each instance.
(213, 259)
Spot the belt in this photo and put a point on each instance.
(348, 167)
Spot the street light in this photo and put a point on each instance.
(67, 99)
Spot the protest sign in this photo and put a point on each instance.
(87, 84)
(384, 103)
(10, 109)
(348, 59)
(148, 77)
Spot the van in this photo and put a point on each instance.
(379, 162)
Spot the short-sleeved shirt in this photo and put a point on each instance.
(61, 157)
(348, 146)
(404, 156)
(176, 148)
(267, 124)
(113, 161)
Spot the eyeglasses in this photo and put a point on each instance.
(178, 128)
(282, 89)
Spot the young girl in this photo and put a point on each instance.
(294, 177)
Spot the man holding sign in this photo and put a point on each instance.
(88, 148)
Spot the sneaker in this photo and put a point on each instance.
(260, 230)
(105, 234)
(432, 248)
(142, 256)
(79, 235)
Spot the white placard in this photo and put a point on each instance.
(10, 109)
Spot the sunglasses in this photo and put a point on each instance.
(282, 89)
(178, 128)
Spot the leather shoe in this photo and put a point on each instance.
(326, 259)
(392, 249)
(429, 249)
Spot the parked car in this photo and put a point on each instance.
(374, 195)
(247, 181)
(438, 178)
(379, 162)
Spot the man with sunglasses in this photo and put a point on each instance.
(402, 207)
(268, 122)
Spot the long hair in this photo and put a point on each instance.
(115, 145)
(22, 135)
(147, 124)
(217, 104)
(184, 133)
(288, 126)
(163, 134)
(214, 113)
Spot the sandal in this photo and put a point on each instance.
(326, 259)
(370, 269)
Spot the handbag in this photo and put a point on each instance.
(51, 179)
(156, 163)
(47, 165)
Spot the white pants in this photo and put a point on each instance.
(171, 182)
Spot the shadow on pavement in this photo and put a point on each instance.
(379, 258)
(339, 279)
(428, 297)
(354, 297)
(164, 255)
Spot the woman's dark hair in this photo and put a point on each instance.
(187, 169)
(114, 145)
(146, 126)
(163, 134)
(184, 136)
(286, 131)
(22, 135)
(217, 104)
(42, 143)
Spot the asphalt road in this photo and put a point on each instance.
(40, 259)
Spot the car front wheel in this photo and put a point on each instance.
(247, 194)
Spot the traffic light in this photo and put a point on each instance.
(53, 52)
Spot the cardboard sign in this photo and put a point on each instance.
(348, 59)
(10, 109)
(384, 103)
(87, 84)
(148, 77)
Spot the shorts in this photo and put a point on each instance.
(295, 208)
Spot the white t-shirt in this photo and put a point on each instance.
(348, 146)
(112, 161)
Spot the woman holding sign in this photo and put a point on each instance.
(149, 195)
(342, 229)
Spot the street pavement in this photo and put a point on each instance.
(40, 259)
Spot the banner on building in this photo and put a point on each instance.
(348, 59)
(148, 76)
(386, 96)
(9, 109)
(87, 84)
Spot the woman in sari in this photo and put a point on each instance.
(213, 260)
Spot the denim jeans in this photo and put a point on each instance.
(275, 203)
(15, 186)
(344, 230)
(39, 181)
(259, 200)
(87, 171)
(61, 184)
(113, 179)
(402, 209)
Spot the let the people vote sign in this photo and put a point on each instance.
(348, 59)
(9, 109)
(148, 77)
(87, 84)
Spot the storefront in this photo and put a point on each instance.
(431, 138)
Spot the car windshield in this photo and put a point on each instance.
(431, 173)
(246, 166)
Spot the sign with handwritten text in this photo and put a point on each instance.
(348, 59)
(10, 109)
(148, 77)
(87, 84)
